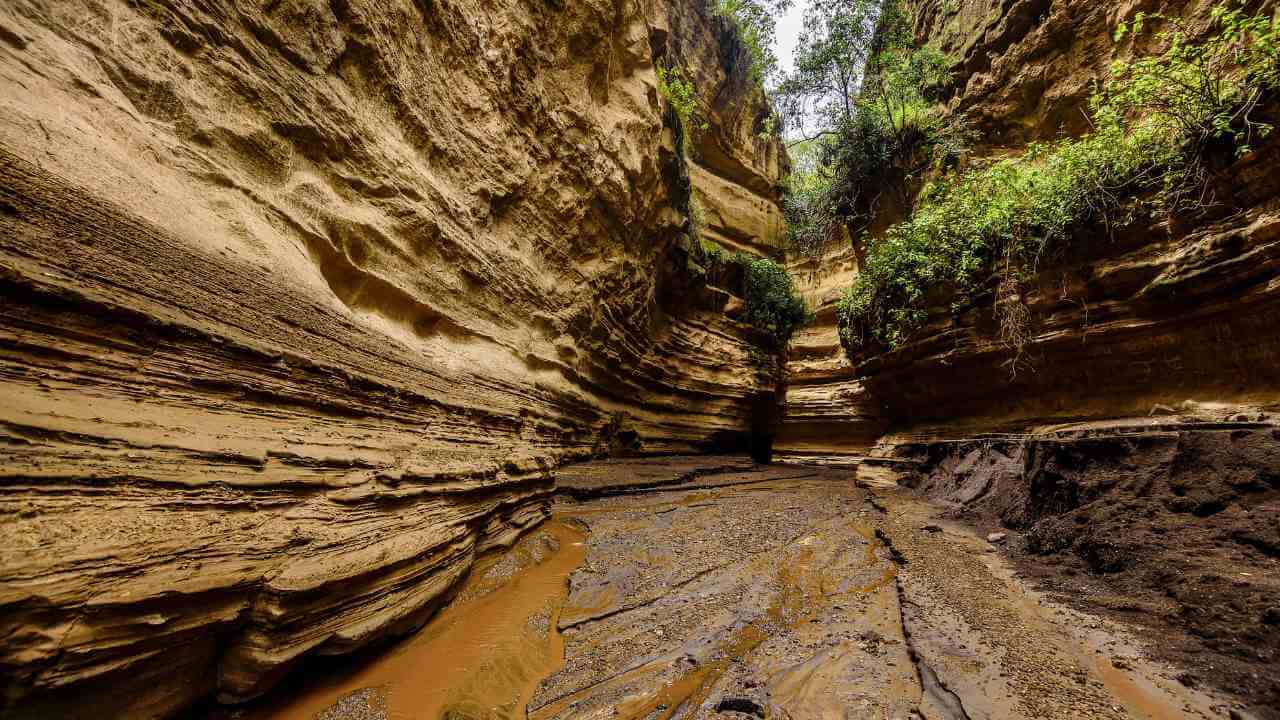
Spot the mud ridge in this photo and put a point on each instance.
(945, 702)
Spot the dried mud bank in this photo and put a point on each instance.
(762, 594)
(300, 303)
(1171, 527)
(718, 590)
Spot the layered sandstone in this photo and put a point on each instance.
(303, 302)
(1130, 449)
(1159, 317)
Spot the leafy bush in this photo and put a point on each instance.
(1149, 122)
(857, 68)
(773, 304)
(896, 133)
(697, 218)
(837, 42)
(681, 95)
(712, 253)
(805, 203)
(753, 20)
(1015, 208)
(1207, 90)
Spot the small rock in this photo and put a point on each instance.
(931, 529)
(1120, 663)
(746, 706)
(997, 537)
(1271, 616)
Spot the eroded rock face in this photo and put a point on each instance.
(1160, 317)
(1171, 527)
(304, 300)
(1126, 456)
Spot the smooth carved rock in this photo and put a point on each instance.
(302, 302)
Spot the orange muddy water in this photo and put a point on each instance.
(482, 656)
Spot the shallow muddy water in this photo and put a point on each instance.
(481, 657)
(798, 597)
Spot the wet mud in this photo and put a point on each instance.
(482, 657)
(745, 593)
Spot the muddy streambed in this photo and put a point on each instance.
(769, 592)
(481, 657)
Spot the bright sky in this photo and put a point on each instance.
(786, 36)
(788, 32)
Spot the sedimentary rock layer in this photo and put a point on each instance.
(303, 301)
(1170, 526)
(1157, 317)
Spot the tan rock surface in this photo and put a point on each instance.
(303, 301)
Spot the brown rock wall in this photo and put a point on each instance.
(1157, 318)
(303, 301)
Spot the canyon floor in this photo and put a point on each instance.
(710, 587)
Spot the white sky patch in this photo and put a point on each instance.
(786, 37)
(788, 34)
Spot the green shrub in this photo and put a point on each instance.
(681, 95)
(1206, 90)
(697, 218)
(754, 23)
(805, 203)
(772, 301)
(878, 139)
(1016, 208)
(1150, 122)
(712, 253)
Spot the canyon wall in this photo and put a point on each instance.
(1129, 454)
(1171, 317)
(303, 301)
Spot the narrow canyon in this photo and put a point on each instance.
(443, 359)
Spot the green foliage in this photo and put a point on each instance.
(712, 256)
(1150, 122)
(756, 28)
(900, 84)
(804, 200)
(1207, 90)
(898, 130)
(697, 218)
(1019, 208)
(875, 94)
(681, 95)
(831, 52)
(712, 253)
(773, 303)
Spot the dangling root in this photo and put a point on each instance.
(1013, 315)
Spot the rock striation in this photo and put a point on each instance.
(1163, 317)
(303, 302)
(1127, 456)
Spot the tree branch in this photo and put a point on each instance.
(815, 137)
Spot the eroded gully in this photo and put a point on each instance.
(738, 591)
